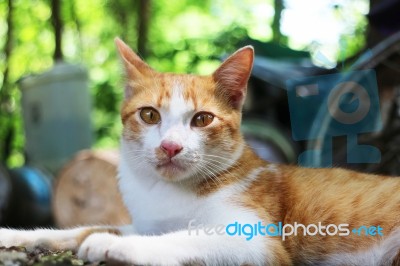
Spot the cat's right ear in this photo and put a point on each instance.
(135, 68)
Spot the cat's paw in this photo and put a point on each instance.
(118, 250)
(96, 247)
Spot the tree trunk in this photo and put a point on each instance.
(143, 26)
(58, 27)
(276, 23)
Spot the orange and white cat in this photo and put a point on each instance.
(186, 168)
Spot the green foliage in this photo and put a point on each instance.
(184, 36)
(19, 256)
(353, 40)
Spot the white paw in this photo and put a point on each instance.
(96, 247)
(9, 238)
(131, 250)
(117, 250)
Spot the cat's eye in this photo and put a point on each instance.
(202, 119)
(150, 115)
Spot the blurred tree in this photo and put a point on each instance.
(276, 23)
(58, 27)
(143, 26)
(125, 13)
(6, 114)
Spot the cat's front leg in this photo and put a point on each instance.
(68, 239)
(179, 248)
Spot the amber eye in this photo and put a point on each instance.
(150, 115)
(202, 119)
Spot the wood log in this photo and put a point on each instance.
(86, 191)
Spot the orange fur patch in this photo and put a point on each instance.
(91, 231)
(237, 172)
(330, 196)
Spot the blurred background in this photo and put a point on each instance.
(61, 87)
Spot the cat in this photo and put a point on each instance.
(197, 194)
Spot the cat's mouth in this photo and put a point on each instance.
(170, 166)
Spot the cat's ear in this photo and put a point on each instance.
(232, 76)
(135, 68)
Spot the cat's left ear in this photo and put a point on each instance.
(135, 67)
(232, 76)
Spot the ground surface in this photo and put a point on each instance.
(19, 256)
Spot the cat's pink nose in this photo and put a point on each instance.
(170, 148)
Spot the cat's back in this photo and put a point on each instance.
(309, 194)
(290, 195)
(338, 189)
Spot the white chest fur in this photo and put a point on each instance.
(157, 206)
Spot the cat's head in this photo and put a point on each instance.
(181, 126)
